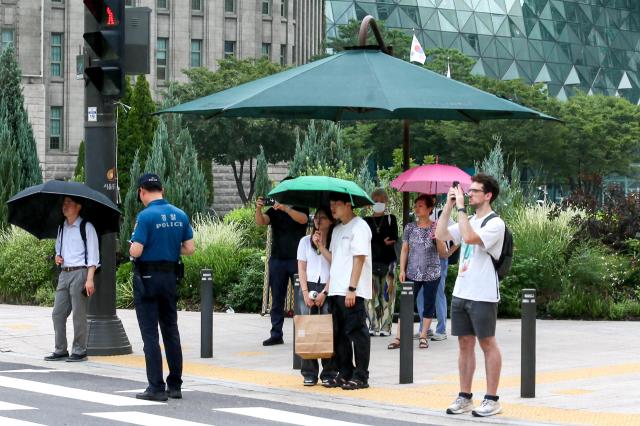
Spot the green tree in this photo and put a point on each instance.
(263, 184)
(17, 121)
(189, 183)
(235, 142)
(9, 165)
(459, 64)
(78, 172)
(138, 126)
(130, 207)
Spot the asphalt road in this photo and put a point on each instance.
(32, 395)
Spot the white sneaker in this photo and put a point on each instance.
(437, 337)
(487, 408)
(460, 405)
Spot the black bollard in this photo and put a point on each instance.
(406, 333)
(528, 345)
(206, 314)
(297, 361)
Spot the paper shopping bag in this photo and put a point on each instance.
(314, 336)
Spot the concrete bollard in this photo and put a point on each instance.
(528, 344)
(206, 314)
(406, 333)
(297, 361)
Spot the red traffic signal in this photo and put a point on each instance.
(106, 12)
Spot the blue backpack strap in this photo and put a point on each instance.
(83, 235)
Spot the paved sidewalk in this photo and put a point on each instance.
(587, 372)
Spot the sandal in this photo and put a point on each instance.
(354, 384)
(395, 344)
(334, 382)
(423, 343)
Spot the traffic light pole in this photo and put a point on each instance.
(106, 333)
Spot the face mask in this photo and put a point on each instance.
(379, 207)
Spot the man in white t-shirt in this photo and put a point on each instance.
(474, 308)
(350, 288)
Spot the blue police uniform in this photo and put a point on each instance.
(161, 228)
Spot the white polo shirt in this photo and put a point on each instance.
(352, 239)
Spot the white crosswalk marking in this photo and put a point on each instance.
(32, 370)
(286, 416)
(144, 419)
(72, 393)
(7, 406)
(142, 390)
(6, 421)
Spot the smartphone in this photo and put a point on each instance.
(455, 184)
(269, 201)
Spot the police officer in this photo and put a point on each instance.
(162, 233)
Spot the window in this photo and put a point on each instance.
(283, 54)
(57, 1)
(163, 4)
(293, 55)
(230, 6)
(266, 7)
(55, 130)
(129, 3)
(56, 54)
(196, 5)
(7, 38)
(284, 8)
(229, 49)
(295, 8)
(161, 58)
(266, 50)
(196, 53)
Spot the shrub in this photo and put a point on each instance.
(25, 265)
(244, 217)
(124, 286)
(246, 294)
(45, 295)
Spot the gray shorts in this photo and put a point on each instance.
(472, 318)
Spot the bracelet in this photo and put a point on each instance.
(462, 210)
(352, 288)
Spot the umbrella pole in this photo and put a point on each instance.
(405, 166)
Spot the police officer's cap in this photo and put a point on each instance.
(150, 181)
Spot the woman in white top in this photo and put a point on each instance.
(313, 271)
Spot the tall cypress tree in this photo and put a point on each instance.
(9, 165)
(17, 121)
(131, 206)
(263, 184)
(189, 183)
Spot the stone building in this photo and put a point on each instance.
(47, 35)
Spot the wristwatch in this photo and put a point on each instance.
(462, 210)
(352, 288)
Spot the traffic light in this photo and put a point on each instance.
(104, 34)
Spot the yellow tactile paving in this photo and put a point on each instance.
(436, 396)
(20, 326)
(572, 392)
(250, 354)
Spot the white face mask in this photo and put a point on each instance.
(379, 207)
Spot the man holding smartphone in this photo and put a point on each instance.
(289, 225)
(474, 308)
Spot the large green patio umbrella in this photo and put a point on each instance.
(362, 83)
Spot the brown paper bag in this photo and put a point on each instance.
(314, 336)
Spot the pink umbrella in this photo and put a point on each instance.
(431, 179)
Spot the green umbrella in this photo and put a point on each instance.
(358, 84)
(313, 191)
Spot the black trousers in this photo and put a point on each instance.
(309, 367)
(351, 337)
(280, 272)
(154, 296)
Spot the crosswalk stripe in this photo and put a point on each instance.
(72, 393)
(286, 416)
(142, 390)
(32, 370)
(7, 406)
(7, 421)
(144, 419)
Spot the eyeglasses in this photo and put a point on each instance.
(474, 191)
(319, 218)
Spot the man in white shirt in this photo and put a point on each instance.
(350, 288)
(78, 258)
(474, 308)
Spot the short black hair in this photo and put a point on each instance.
(340, 196)
(489, 184)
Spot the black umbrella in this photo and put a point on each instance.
(38, 209)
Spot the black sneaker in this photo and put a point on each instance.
(77, 358)
(57, 357)
(152, 396)
(174, 393)
(309, 381)
(273, 341)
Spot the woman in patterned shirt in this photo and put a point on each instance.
(420, 263)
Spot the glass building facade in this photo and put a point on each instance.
(587, 45)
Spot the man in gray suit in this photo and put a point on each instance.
(77, 253)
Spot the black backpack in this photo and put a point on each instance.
(503, 264)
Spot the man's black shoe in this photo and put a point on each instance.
(77, 358)
(57, 357)
(174, 393)
(152, 396)
(273, 341)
